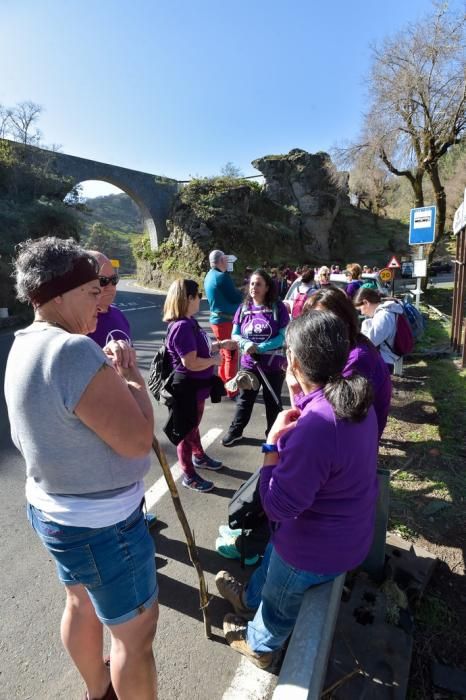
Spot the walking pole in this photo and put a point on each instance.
(190, 541)
(267, 384)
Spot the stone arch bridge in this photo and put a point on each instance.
(153, 194)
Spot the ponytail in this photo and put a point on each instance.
(320, 342)
(350, 397)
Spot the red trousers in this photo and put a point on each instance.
(229, 366)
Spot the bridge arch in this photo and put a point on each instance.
(152, 194)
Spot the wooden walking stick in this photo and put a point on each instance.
(192, 549)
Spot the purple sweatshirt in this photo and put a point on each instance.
(322, 493)
(366, 360)
(111, 325)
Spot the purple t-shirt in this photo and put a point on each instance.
(111, 325)
(322, 492)
(353, 287)
(185, 336)
(259, 325)
(366, 360)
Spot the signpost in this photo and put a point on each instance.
(421, 232)
(422, 225)
(393, 265)
(385, 275)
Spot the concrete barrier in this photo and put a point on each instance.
(305, 665)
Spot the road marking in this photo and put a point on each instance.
(160, 488)
(142, 308)
(249, 683)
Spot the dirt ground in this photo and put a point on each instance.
(424, 447)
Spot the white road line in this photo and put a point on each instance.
(249, 683)
(160, 488)
(141, 308)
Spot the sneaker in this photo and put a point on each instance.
(226, 548)
(234, 629)
(207, 462)
(233, 435)
(231, 589)
(225, 531)
(197, 483)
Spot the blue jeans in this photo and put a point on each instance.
(116, 564)
(277, 590)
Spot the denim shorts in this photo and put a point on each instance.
(116, 564)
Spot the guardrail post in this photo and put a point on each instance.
(375, 560)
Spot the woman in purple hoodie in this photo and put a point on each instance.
(318, 488)
(363, 357)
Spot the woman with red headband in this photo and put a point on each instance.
(82, 419)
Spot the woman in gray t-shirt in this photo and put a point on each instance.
(83, 421)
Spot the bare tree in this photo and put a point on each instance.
(417, 104)
(22, 119)
(231, 170)
(4, 121)
(369, 184)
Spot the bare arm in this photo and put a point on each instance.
(118, 410)
(196, 364)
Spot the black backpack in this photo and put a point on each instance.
(245, 510)
(160, 375)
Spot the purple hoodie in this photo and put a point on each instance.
(321, 495)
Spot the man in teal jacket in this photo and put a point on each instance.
(224, 299)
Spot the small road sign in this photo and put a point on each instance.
(422, 225)
(385, 274)
(394, 264)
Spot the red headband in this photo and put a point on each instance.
(85, 269)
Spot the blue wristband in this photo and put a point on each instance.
(267, 447)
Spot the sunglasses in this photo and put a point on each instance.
(105, 281)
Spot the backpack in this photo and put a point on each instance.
(298, 303)
(245, 510)
(415, 318)
(403, 343)
(160, 375)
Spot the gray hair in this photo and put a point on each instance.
(41, 260)
(215, 256)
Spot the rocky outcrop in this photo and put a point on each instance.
(300, 215)
(311, 184)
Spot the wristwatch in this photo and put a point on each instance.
(267, 447)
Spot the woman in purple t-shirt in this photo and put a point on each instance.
(259, 328)
(192, 358)
(363, 358)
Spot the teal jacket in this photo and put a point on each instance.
(222, 295)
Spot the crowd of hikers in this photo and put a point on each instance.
(73, 373)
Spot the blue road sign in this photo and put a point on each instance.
(422, 225)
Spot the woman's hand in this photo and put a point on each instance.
(251, 349)
(285, 421)
(121, 354)
(294, 387)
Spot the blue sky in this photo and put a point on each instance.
(179, 88)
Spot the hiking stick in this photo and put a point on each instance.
(190, 541)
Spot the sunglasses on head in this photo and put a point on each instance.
(105, 281)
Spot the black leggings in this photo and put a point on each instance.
(246, 398)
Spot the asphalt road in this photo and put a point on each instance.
(33, 663)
